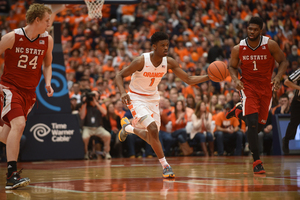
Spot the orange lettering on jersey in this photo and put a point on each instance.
(133, 113)
(130, 106)
(153, 74)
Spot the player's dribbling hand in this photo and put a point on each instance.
(49, 91)
(276, 83)
(239, 85)
(125, 99)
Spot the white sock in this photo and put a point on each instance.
(129, 129)
(163, 162)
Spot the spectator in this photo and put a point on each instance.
(226, 131)
(91, 113)
(179, 120)
(111, 122)
(235, 99)
(166, 140)
(284, 107)
(201, 132)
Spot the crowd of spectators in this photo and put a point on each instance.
(200, 32)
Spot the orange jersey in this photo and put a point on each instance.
(23, 62)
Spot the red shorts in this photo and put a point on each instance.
(257, 101)
(16, 102)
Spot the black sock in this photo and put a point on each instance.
(11, 167)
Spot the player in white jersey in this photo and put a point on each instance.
(143, 97)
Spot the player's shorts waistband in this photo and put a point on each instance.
(140, 93)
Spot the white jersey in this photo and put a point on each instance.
(145, 82)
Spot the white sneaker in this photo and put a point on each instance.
(107, 156)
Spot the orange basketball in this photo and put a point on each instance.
(217, 71)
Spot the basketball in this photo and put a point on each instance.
(217, 71)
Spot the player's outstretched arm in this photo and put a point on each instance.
(136, 65)
(191, 80)
(233, 67)
(291, 79)
(55, 8)
(278, 55)
(47, 68)
(291, 84)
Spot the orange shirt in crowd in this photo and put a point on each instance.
(120, 114)
(164, 115)
(128, 9)
(107, 68)
(64, 40)
(181, 52)
(12, 22)
(106, 11)
(220, 120)
(121, 36)
(113, 123)
(180, 125)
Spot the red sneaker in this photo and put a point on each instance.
(258, 167)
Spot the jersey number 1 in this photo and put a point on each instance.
(23, 60)
(254, 69)
(152, 81)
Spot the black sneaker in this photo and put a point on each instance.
(231, 113)
(258, 167)
(168, 172)
(285, 146)
(15, 181)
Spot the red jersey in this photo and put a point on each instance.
(23, 62)
(257, 63)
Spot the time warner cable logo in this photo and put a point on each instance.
(59, 132)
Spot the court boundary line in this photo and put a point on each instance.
(133, 192)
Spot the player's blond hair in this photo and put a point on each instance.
(36, 10)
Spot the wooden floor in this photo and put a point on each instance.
(196, 178)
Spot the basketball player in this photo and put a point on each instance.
(295, 111)
(257, 54)
(147, 71)
(26, 50)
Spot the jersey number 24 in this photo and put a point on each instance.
(23, 60)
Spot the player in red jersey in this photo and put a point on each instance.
(257, 55)
(26, 50)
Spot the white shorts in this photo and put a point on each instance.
(141, 106)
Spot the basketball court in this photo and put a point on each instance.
(196, 178)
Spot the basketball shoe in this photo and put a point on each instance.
(122, 133)
(235, 111)
(168, 172)
(258, 167)
(15, 181)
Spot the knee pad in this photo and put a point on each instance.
(146, 120)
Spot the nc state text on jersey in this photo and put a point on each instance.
(30, 51)
(255, 57)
